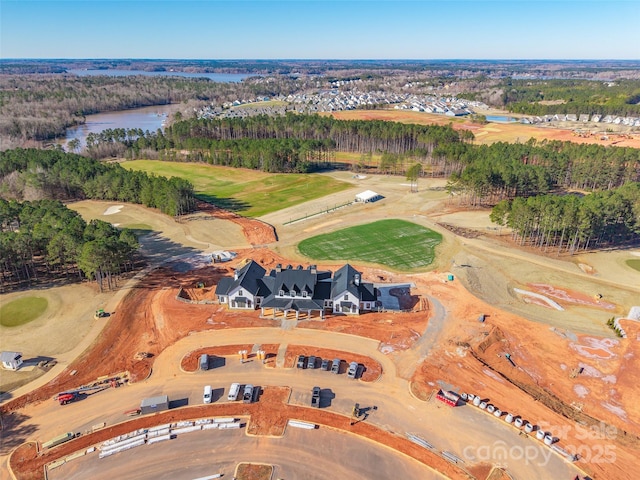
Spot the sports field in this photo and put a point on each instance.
(247, 192)
(397, 244)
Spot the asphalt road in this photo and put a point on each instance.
(299, 454)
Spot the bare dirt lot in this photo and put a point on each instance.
(505, 132)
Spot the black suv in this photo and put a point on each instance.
(315, 397)
(301, 361)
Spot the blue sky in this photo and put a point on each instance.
(263, 29)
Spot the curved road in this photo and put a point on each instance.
(462, 431)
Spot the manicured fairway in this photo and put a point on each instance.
(247, 192)
(395, 243)
(21, 311)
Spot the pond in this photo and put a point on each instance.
(146, 118)
(215, 77)
(500, 118)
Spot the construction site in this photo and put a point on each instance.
(498, 355)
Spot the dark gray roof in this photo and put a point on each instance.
(344, 279)
(299, 304)
(248, 277)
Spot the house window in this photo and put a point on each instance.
(292, 293)
(304, 294)
(346, 297)
(240, 293)
(281, 293)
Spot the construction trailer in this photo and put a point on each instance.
(448, 397)
(154, 404)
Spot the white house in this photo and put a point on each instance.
(245, 289)
(11, 360)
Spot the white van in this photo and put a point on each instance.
(206, 396)
(234, 390)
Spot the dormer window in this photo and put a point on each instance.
(293, 293)
(304, 294)
(281, 293)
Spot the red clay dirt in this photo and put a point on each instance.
(372, 369)
(190, 360)
(542, 387)
(255, 231)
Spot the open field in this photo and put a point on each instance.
(248, 192)
(394, 243)
(22, 310)
(498, 132)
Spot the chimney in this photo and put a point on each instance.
(235, 274)
(313, 269)
(356, 279)
(278, 268)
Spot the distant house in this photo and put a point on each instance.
(11, 360)
(596, 118)
(571, 117)
(584, 117)
(307, 291)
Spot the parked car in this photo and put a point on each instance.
(353, 368)
(301, 361)
(311, 364)
(335, 366)
(325, 364)
(247, 396)
(359, 370)
(315, 397)
(234, 390)
(206, 395)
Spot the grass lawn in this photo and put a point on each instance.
(396, 243)
(21, 311)
(634, 263)
(247, 192)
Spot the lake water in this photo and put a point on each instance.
(216, 77)
(146, 118)
(500, 118)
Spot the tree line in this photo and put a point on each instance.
(573, 222)
(44, 237)
(66, 176)
(491, 173)
(43, 106)
(548, 97)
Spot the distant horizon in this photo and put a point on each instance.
(550, 60)
(321, 29)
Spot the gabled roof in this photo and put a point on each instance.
(248, 277)
(345, 280)
(9, 356)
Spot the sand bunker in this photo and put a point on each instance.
(113, 210)
(537, 299)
